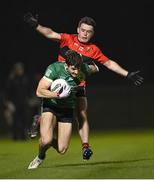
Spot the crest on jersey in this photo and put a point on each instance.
(88, 49)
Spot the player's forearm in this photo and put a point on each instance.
(44, 30)
(48, 33)
(43, 93)
(115, 67)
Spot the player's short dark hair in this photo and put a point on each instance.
(87, 20)
(73, 59)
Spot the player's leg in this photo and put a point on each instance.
(46, 133)
(65, 117)
(82, 120)
(34, 130)
(83, 126)
(64, 135)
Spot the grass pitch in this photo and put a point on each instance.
(118, 154)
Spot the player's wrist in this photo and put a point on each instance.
(128, 75)
(34, 24)
(57, 94)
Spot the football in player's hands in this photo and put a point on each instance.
(61, 87)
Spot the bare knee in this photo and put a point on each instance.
(45, 140)
(83, 113)
(82, 108)
(82, 116)
(62, 149)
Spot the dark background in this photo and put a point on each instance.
(124, 32)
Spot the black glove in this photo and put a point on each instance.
(133, 76)
(31, 20)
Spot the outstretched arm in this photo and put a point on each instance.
(32, 21)
(133, 76)
(115, 67)
(48, 33)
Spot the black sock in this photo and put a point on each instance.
(42, 151)
(54, 144)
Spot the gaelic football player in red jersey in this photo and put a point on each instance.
(81, 43)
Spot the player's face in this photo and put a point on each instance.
(85, 33)
(73, 70)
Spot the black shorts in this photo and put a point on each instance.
(81, 92)
(62, 114)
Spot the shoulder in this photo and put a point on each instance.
(54, 65)
(68, 36)
(94, 47)
(54, 69)
(57, 65)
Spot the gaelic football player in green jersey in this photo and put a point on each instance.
(60, 104)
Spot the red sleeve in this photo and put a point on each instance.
(100, 57)
(64, 39)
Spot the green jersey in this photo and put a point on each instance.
(55, 71)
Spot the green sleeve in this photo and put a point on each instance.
(50, 72)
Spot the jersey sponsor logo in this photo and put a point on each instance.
(76, 44)
(80, 48)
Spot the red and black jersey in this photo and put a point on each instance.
(90, 52)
